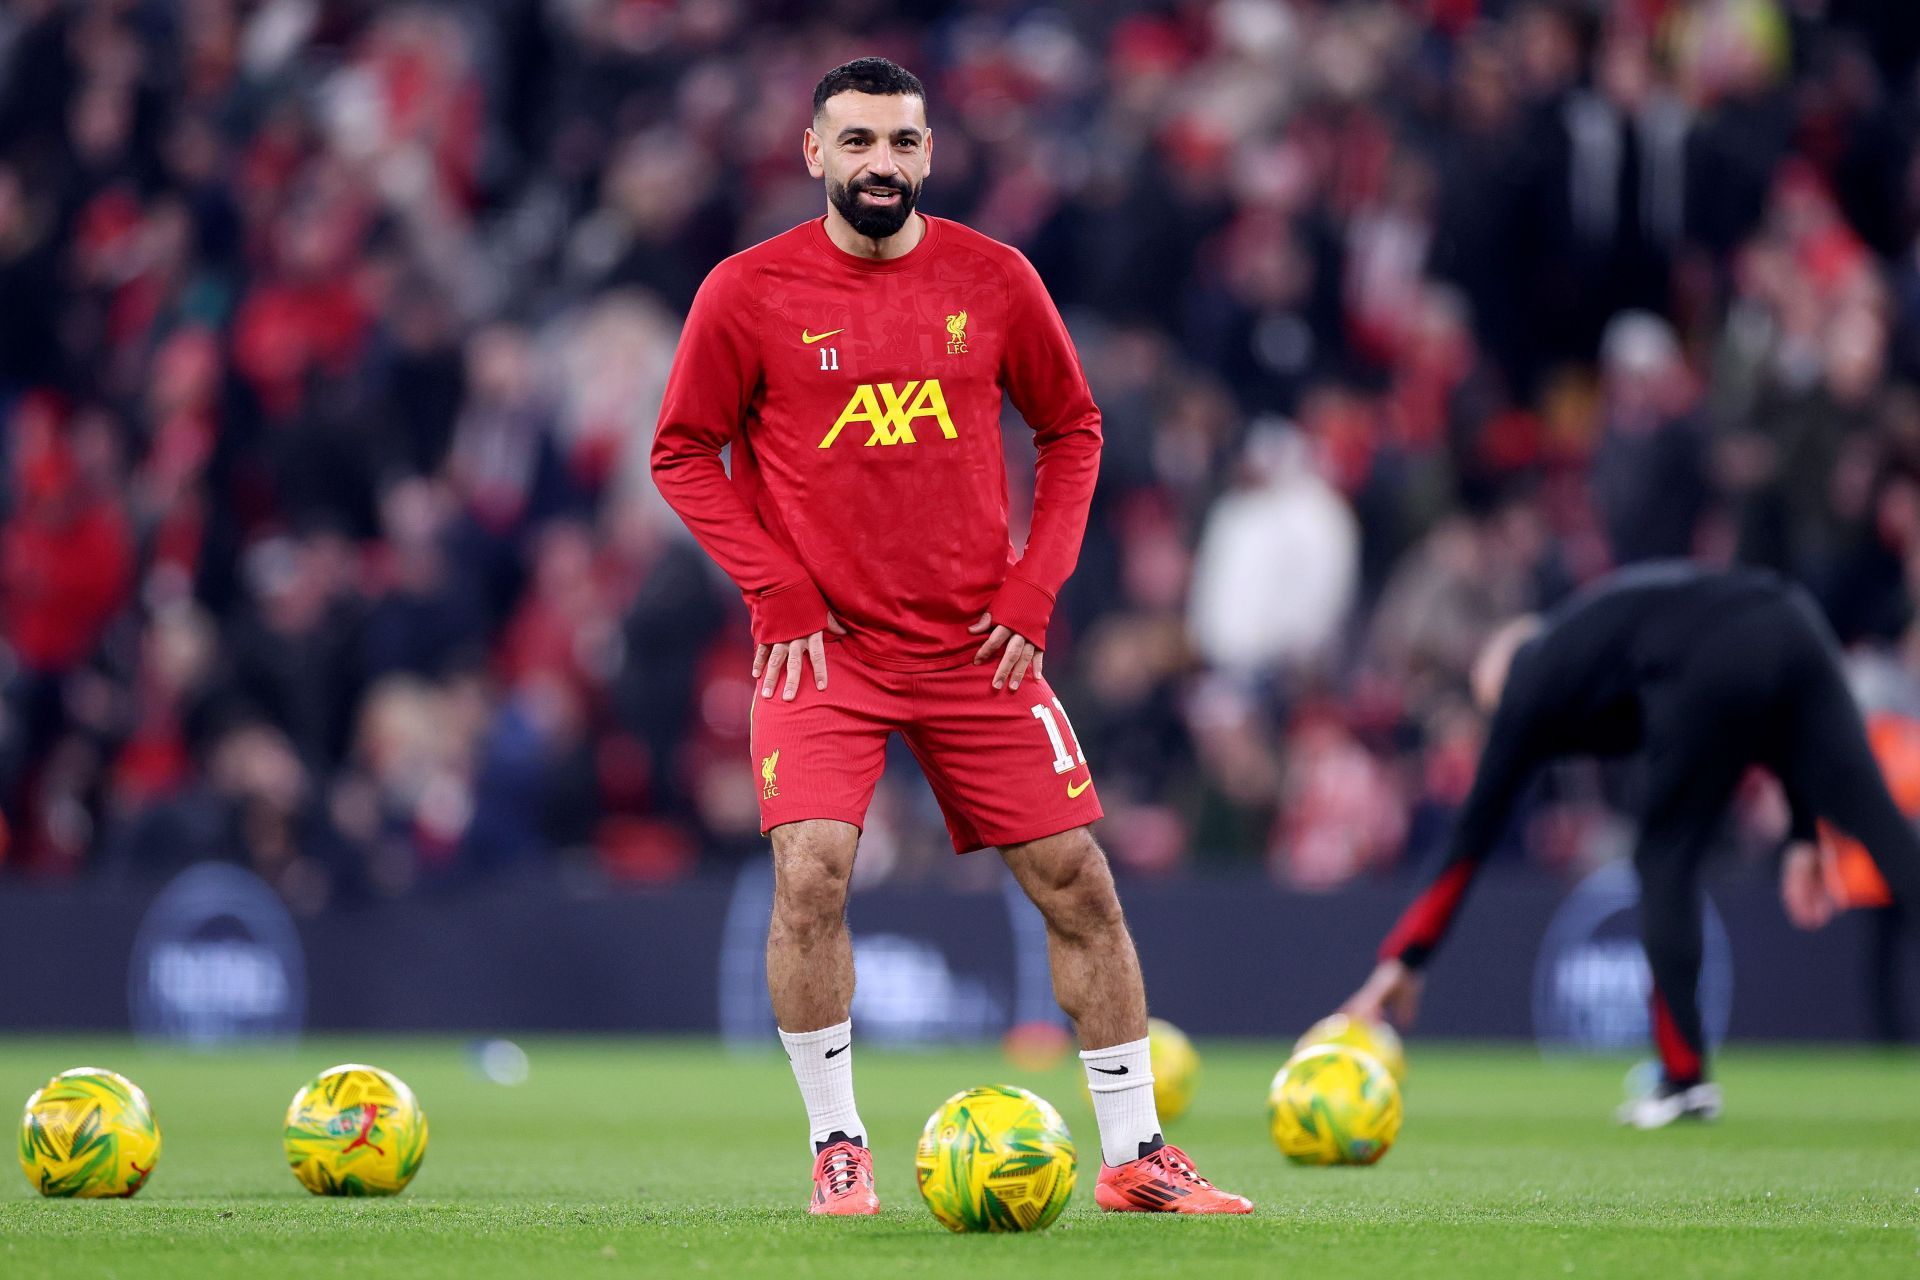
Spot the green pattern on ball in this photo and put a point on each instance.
(355, 1131)
(89, 1133)
(995, 1158)
(1333, 1104)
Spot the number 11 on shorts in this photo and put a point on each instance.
(1062, 762)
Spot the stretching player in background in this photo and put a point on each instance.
(855, 366)
(1702, 675)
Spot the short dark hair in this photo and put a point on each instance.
(877, 76)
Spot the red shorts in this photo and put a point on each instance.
(1004, 764)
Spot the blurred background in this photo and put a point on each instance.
(332, 336)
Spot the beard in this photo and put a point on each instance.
(875, 222)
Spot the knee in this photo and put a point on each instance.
(1074, 890)
(809, 894)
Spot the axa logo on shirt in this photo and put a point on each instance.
(892, 410)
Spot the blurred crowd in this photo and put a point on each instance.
(332, 334)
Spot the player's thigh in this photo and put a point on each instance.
(1688, 792)
(820, 755)
(1005, 764)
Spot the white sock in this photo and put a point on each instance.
(1121, 1082)
(823, 1065)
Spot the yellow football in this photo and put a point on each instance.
(89, 1132)
(995, 1158)
(1333, 1104)
(355, 1130)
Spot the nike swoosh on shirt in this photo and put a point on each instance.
(1111, 1071)
(1073, 792)
(811, 338)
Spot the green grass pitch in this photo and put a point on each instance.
(624, 1157)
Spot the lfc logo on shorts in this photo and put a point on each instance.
(957, 334)
(770, 790)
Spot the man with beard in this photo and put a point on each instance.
(1700, 676)
(855, 367)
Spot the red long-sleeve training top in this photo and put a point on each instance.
(861, 400)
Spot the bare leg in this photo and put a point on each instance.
(810, 976)
(1096, 973)
(809, 954)
(1096, 978)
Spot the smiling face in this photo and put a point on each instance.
(875, 151)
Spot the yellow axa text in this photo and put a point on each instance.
(892, 410)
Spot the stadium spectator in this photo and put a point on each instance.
(332, 331)
(1649, 473)
(1277, 566)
